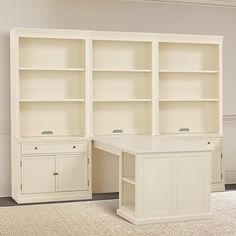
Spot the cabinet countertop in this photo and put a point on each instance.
(140, 144)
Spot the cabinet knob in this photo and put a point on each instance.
(55, 173)
(74, 147)
(35, 148)
(208, 142)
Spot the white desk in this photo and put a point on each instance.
(160, 179)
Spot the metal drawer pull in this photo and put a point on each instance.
(184, 129)
(74, 147)
(208, 142)
(46, 132)
(117, 131)
(35, 148)
(55, 173)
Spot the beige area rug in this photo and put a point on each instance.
(99, 218)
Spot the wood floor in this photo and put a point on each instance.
(8, 201)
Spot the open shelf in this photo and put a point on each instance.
(51, 85)
(188, 86)
(131, 56)
(121, 86)
(190, 71)
(185, 57)
(129, 117)
(49, 69)
(190, 100)
(122, 100)
(52, 100)
(51, 53)
(62, 118)
(128, 198)
(198, 117)
(123, 70)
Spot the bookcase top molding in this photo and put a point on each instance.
(114, 35)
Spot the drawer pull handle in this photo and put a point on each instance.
(74, 147)
(208, 142)
(35, 148)
(55, 173)
(184, 130)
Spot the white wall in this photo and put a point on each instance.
(117, 16)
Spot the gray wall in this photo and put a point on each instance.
(116, 16)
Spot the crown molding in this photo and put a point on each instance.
(214, 3)
(229, 118)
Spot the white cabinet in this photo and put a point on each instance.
(159, 187)
(45, 174)
(38, 174)
(72, 174)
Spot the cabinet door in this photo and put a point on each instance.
(216, 166)
(72, 173)
(38, 174)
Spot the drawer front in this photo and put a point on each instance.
(34, 148)
(211, 142)
(214, 143)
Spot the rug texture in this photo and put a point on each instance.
(99, 218)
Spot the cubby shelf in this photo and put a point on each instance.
(122, 100)
(52, 100)
(123, 70)
(190, 71)
(130, 180)
(129, 208)
(190, 100)
(49, 69)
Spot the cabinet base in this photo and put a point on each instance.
(153, 220)
(36, 198)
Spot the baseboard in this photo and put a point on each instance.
(230, 177)
(5, 190)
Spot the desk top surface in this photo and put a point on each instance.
(140, 144)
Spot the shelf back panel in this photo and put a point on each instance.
(180, 56)
(121, 55)
(129, 117)
(121, 85)
(188, 86)
(62, 118)
(52, 85)
(199, 117)
(51, 53)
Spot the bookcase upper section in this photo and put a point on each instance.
(84, 83)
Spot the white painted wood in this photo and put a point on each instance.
(72, 173)
(36, 148)
(38, 174)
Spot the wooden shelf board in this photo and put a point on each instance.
(190, 100)
(189, 71)
(122, 100)
(123, 70)
(49, 69)
(130, 180)
(53, 100)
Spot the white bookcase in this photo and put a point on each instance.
(122, 87)
(69, 85)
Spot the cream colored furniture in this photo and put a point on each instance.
(69, 85)
(160, 179)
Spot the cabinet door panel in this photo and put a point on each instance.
(72, 173)
(37, 174)
(216, 166)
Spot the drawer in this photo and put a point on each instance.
(214, 143)
(34, 148)
(211, 142)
